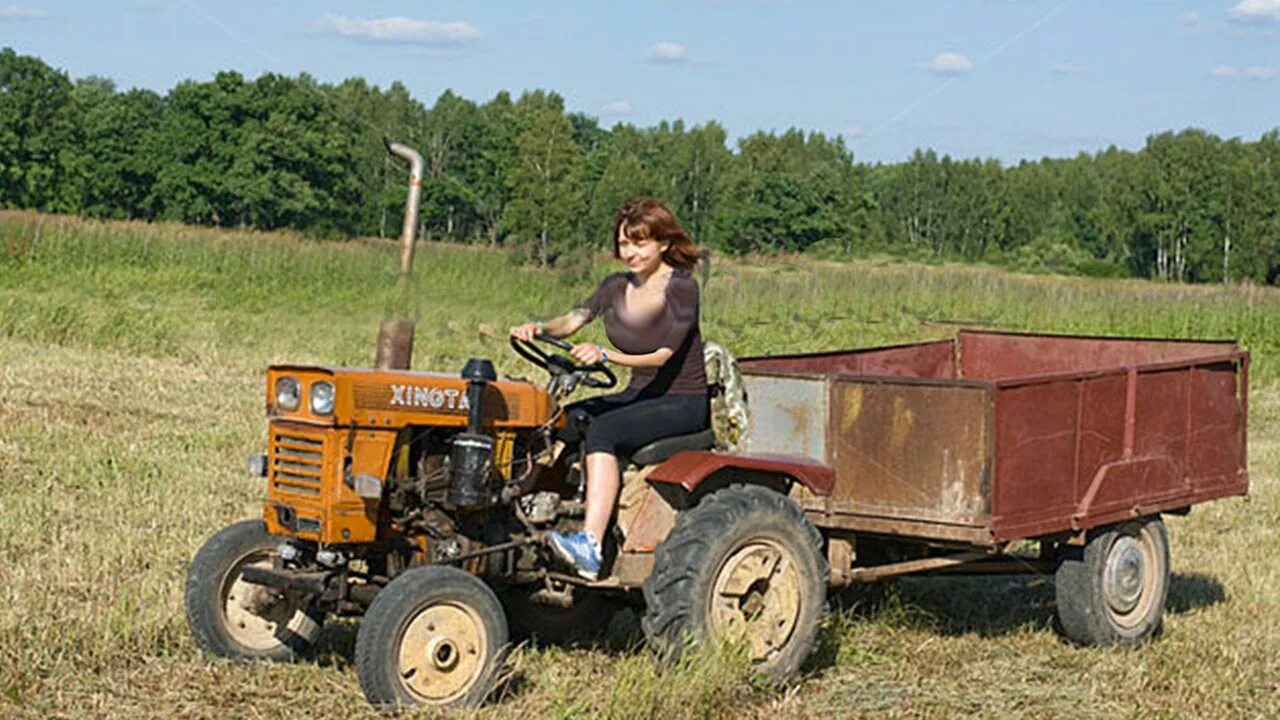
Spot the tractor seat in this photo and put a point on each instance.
(663, 448)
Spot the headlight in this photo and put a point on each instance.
(322, 398)
(287, 393)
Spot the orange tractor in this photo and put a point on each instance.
(419, 501)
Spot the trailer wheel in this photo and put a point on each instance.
(1113, 590)
(237, 620)
(434, 636)
(743, 565)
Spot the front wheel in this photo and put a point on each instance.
(743, 565)
(1113, 590)
(434, 636)
(238, 620)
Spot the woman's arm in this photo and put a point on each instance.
(590, 354)
(562, 326)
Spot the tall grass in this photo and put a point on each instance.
(130, 392)
(175, 291)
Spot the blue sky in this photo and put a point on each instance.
(1008, 79)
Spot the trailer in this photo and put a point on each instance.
(945, 456)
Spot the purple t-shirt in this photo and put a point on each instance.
(675, 327)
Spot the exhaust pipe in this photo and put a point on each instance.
(395, 333)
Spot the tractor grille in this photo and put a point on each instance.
(297, 463)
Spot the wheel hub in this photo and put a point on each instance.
(1124, 574)
(756, 598)
(442, 652)
(254, 613)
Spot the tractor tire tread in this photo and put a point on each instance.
(682, 556)
(200, 592)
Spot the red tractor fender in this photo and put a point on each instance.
(690, 467)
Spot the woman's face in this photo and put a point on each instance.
(643, 257)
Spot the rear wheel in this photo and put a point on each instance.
(1113, 590)
(434, 636)
(238, 620)
(744, 565)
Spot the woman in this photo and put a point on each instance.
(650, 315)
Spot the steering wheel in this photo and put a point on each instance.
(557, 364)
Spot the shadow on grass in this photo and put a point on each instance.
(988, 606)
(991, 606)
(1194, 591)
(336, 648)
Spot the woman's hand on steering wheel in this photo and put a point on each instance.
(588, 353)
(559, 364)
(526, 331)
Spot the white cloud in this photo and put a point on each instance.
(853, 132)
(1253, 72)
(617, 107)
(1256, 11)
(950, 64)
(400, 30)
(13, 12)
(1066, 68)
(1191, 18)
(667, 52)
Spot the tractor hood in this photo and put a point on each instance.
(392, 399)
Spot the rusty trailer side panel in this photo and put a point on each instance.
(911, 457)
(1078, 453)
(1014, 436)
(911, 451)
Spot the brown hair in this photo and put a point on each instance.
(645, 218)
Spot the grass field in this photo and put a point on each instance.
(131, 370)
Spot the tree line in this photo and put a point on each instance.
(522, 173)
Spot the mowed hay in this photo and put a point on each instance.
(125, 424)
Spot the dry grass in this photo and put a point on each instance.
(119, 455)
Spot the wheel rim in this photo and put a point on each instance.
(442, 652)
(756, 598)
(1129, 579)
(253, 613)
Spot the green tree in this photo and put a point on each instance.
(39, 136)
(546, 199)
(117, 171)
(376, 116)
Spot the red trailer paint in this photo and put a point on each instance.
(992, 437)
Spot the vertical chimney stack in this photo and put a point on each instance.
(395, 334)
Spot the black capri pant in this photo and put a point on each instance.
(622, 423)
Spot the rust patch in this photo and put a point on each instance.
(852, 407)
(903, 420)
(650, 523)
